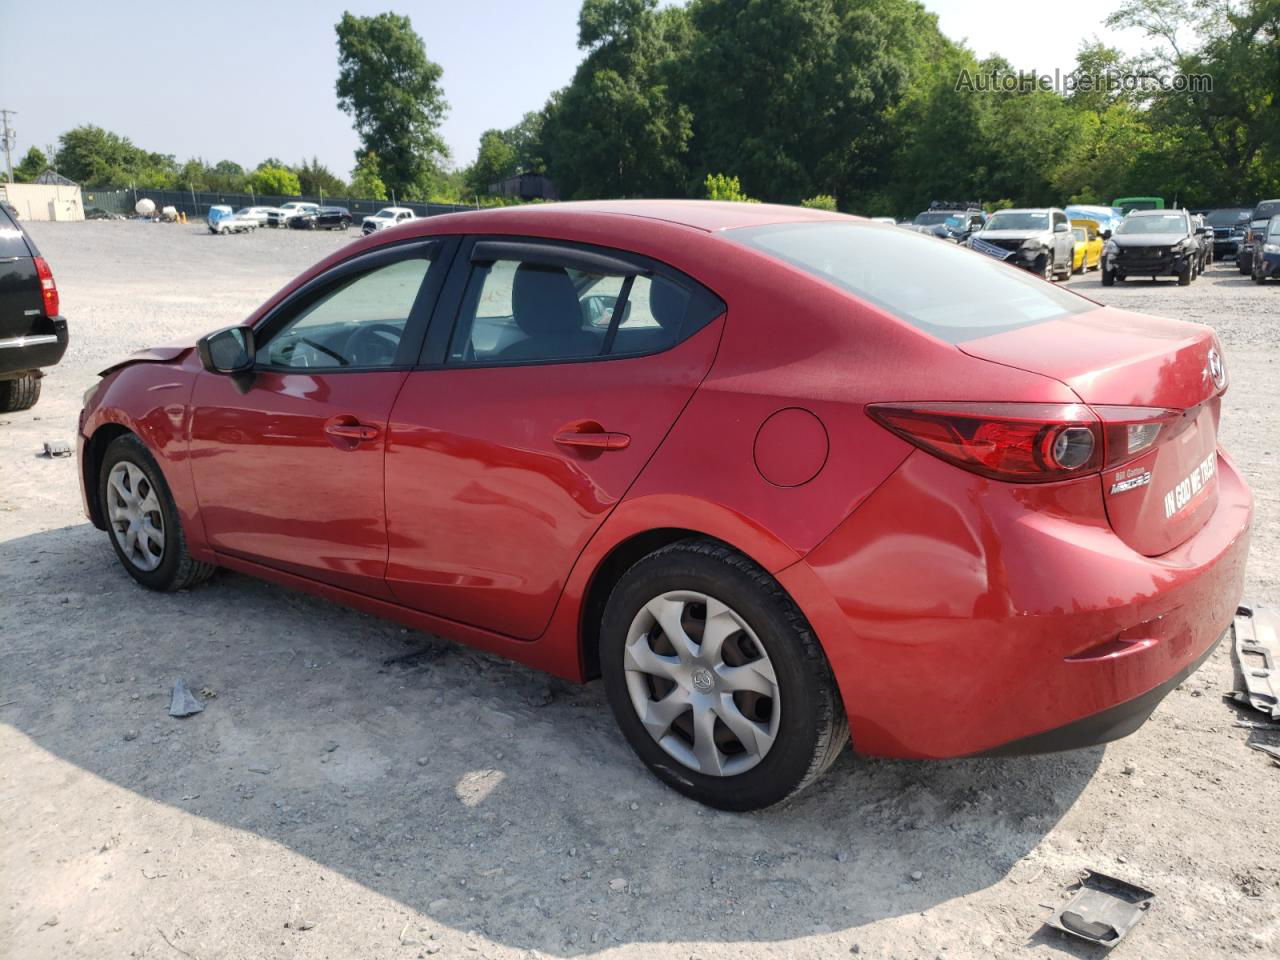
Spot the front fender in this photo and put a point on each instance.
(151, 401)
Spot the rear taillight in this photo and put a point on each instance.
(48, 289)
(1030, 442)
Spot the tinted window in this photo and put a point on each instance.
(11, 242)
(1154, 223)
(519, 312)
(942, 289)
(1267, 210)
(1018, 221)
(359, 323)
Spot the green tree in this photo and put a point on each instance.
(722, 187)
(318, 180)
(31, 165)
(366, 183)
(94, 157)
(495, 161)
(393, 94)
(525, 139)
(193, 175)
(823, 201)
(793, 95)
(226, 176)
(618, 129)
(275, 181)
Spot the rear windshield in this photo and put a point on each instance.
(1156, 223)
(11, 241)
(1225, 218)
(943, 289)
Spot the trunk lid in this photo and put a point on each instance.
(1112, 358)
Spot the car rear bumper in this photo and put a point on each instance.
(963, 616)
(41, 348)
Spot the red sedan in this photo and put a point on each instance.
(780, 477)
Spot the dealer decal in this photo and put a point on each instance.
(1186, 491)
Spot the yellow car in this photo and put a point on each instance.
(1088, 252)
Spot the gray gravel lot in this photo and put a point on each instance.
(329, 804)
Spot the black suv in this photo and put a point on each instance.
(950, 220)
(32, 335)
(1262, 214)
(1152, 243)
(1229, 225)
(326, 218)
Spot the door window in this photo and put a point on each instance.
(359, 323)
(516, 312)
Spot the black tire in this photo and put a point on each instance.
(1108, 277)
(19, 394)
(812, 726)
(1244, 268)
(1184, 276)
(1048, 271)
(177, 570)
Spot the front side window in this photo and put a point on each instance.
(520, 312)
(942, 289)
(358, 323)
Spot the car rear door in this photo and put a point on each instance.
(288, 467)
(551, 374)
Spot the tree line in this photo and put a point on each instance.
(860, 105)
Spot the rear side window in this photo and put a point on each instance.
(12, 243)
(940, 288)
(1267, 210)
(530, 311)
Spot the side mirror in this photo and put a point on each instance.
(228, 351)
(1105, 234)
(1060, 228)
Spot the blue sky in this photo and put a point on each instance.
(247, 80)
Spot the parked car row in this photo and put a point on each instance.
(301, 215)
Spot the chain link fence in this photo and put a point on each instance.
(196, 203)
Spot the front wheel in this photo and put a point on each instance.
(1184, 276)
(143, 521)
(716, 678)
(1108, 277)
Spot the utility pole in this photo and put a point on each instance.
(9, 137)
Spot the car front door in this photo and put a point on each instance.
(1064, 241)
(288, 464)
(557, 374)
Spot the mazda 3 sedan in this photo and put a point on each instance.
(776, 485)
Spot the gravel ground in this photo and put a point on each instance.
(328, 803)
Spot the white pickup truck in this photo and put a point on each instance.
(280, 216)
(387, 217)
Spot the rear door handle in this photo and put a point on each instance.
(595, 440)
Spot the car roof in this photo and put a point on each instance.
(1156, 213)
(706, 215)
(1027, 210)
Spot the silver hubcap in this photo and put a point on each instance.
(136, 520)
(701, 683)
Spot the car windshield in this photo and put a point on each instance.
(939, 288)
(1225, 218)
(1273, 230)
(1265, 211)
(1157, 223)
(245, 212)
(929, 219)
(1018, 221)
(385, 215)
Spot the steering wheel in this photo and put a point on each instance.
(372, 343)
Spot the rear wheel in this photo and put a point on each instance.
(19, 394)
(142, 519)
(716, 678)
(1243, 266)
